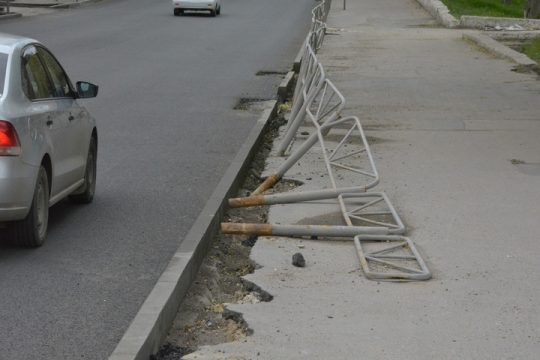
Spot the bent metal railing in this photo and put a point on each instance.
(369, 218)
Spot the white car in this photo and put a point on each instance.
(214, 6)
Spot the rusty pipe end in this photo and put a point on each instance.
(268, 183)
(247, 201)
(246, 229)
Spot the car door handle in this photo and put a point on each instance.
(71, 118)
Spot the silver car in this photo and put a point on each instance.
(213, 6)
(48, 142)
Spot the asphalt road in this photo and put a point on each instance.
(167, 132)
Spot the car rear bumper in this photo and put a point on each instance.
(191, 5)
(17, 182)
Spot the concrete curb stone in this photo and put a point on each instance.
(440, 12)
(498, 49)
(298, 59)
(75, 4)
(285, 86)
(151, 324)
(514, 35)
(10, 16)
(31, 5)
(483, 22)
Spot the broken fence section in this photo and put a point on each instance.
(369, 218)
(386, 257)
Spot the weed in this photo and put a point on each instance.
(532, 49)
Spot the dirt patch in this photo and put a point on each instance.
(519, 45)
(203, 318)
(248, 103)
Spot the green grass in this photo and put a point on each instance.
(485, 8)
(532, 49)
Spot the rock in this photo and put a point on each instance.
(250, 298)
(298, 260)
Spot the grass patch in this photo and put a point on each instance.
(494, 8)
(532, 49)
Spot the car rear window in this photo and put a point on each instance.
(3, 65)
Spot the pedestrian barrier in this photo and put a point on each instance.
(310, 79)
(324, 105)
(371, 220)
(390, 258)
(316, 35)
(339, 164)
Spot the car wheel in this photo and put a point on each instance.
(177, 12)
(213, 13)
(32, 230)
(218, 11)
(86, 195)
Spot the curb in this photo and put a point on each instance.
(514, 35)
(31, 5)
(152, 322)
(74, 5)
(285, 87)
(483, 22)
(499, 49)
(10, 16)
(298, 59)
(440, 12)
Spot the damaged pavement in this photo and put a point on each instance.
(454, 134)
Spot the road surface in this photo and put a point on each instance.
(167, 132)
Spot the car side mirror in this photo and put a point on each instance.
(86, 90)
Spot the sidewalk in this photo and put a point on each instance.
(456, 138)
(40, 7)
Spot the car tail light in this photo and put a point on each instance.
(9, 141)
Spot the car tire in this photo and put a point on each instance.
(218, 11)
(213, 13)
(32, 230)
(177, 12)
(87, 195)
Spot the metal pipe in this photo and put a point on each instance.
(308, 144)
(300, 230)
(268, 183)
(397, 228)
(293, 197)
(312, 89)
(242, 228)
(247, 201)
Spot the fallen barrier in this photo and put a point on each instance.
(369, 219)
